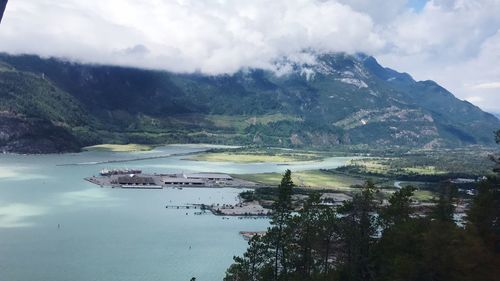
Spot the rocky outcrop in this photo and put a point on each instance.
(21, 134)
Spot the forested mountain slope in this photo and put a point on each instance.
(339, 100)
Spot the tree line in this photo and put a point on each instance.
(364, 240)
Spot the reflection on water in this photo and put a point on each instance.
(18, 173)
(53, 224)
(18, 215)
(87, 197)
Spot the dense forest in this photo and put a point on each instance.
(350, 100)
(366, 240)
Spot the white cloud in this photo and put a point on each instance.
(445, 29)
(490, 85)
(379, 11)
(206, 35)
(474, 99)
(454, 42)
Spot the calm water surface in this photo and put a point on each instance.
(54, 226)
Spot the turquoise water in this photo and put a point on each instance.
(56, 226)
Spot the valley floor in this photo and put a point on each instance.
(119, 147)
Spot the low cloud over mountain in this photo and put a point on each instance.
(454, 42)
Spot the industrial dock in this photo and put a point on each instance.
(136, 179)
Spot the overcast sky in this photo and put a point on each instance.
(454, 42)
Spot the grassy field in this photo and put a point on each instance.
(424, 170)
(259, 155)
(119, 147)
(242, 122)
(313, 179)
(424, 195)
(473, 161)
(386, 166)
(254, 158)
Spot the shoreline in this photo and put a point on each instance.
(128, 160)
(201, 145)
(242, 210)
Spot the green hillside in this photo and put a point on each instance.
(341, 100)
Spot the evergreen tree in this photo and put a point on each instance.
(361, 241)
(483, 222)
(399, 208)
(358, 234)
(267, 257)
(329, 237)
(281, 215)
(304, 228)
(250, 266)
(444, 209)
(483, 217)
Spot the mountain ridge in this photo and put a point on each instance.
(339, 100)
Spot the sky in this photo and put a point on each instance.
(453, 42)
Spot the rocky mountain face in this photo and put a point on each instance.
(32, 136)
(338, 100)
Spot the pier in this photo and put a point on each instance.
(249, 209)
(185, 207)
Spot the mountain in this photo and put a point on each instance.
(496, 114)
(339, 100)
